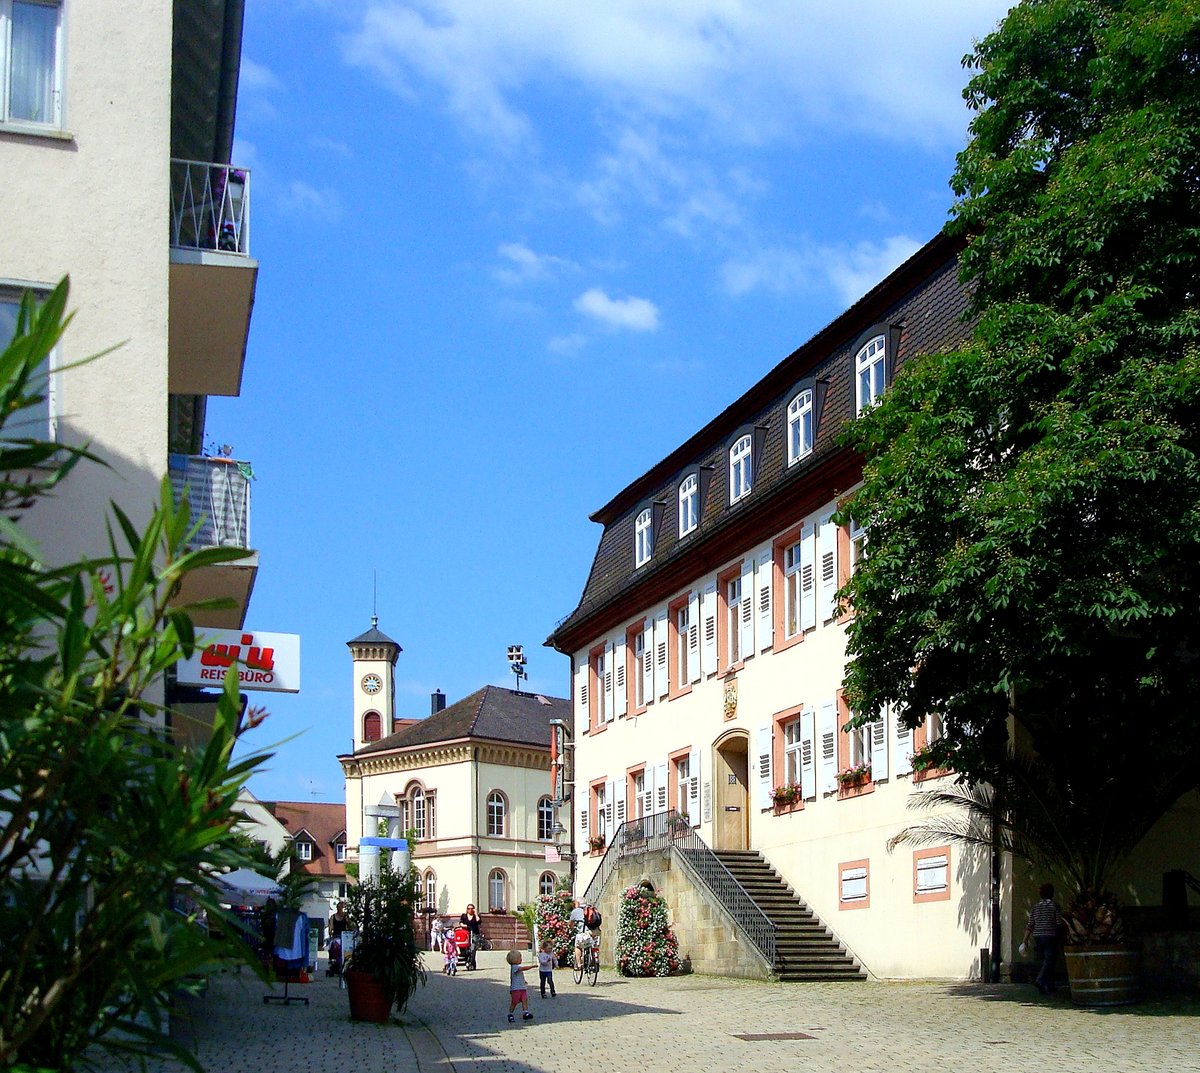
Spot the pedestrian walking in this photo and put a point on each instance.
(1045, 926)
(518, 993)
(546, 969)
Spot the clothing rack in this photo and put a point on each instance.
(291, 951)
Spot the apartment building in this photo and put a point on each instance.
(116, 137)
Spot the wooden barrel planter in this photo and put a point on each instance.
(1104, 975)
(368, 1000)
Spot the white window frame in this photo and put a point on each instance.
(858, 545)
(339, 852)
(683, 627)
(793, 561)
(7, 119)
(496, 814)
(741, 471)
(861, 743)
(643, 529)
(689, 504)
(870, 371)
(430, 891)
(601, 812)
(497, 882)
(304, 850)
(546, 883)
(683, 782)
(733, 619)
(791, 751)
(933, 874)
(545, 819)
(639, 795)
(800, 426)
(418, 811)
(854, 885)
(639, 677)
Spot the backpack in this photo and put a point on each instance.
(591, 917)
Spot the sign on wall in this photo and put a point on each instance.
(269, 662)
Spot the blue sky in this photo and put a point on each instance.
(512, 253)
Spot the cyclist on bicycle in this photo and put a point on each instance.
(587, 930)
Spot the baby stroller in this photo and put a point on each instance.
(450, 950)
(335, 957)
(466, 944)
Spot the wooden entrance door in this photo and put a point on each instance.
(731, 794)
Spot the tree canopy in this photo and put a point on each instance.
(1032, 501)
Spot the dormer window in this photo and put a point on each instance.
(689, 504)
(740, 468)
(870, 373)
(304, 850)
(800, 426)
(339, 852)
(643, 530)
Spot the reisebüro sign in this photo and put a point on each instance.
(269, 662)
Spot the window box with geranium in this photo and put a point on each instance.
(596, 843)
(787, 796)
(854, 776)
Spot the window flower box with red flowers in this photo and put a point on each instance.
(853, 780)
(596, 843)
(787, 797)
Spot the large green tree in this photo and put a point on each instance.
(1033, 500)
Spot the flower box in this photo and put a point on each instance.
(858, 775)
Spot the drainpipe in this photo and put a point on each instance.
(475, 806)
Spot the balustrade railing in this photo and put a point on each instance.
(210, 207)
(673, 832)
(218, 492)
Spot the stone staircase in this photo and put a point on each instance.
(804, 948)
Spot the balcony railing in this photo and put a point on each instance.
(210, 207)
(218, 492)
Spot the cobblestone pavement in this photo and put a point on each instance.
(456, 1025)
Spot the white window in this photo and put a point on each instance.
(683, 777)
(791, 751)
(639, 795)
(858, 545)
(792, 578)
(431, 815)
(800, 426)
(304, 851)
(418, 812)
(601, 812)
(639, 676)
(739, 468)
(683, 622)
(36, 421)
(644, 537)
(689, 504)
(497, 889)
(431, 889)
(933, 874)
(860, 746)
(495, 814)
(600, 664)
(31, 62)
(733, 619)
(546, 883)
(339, 852)
(854, 884)
(935, 728)
(545, 819)
(869, 374)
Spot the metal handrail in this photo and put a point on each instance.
(672, 831)
(210, 207)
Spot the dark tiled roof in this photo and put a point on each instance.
(373, 636)
(493, 713)
(923, 298)
(323, 821)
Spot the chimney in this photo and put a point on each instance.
(437, 701)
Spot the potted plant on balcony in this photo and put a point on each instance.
(384, 968)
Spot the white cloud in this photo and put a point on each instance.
(331, 147)
(301, 199)
(749, 71)
(525, 266)
(636, 314)
(255, 77)
(567, 346)
(849, 271)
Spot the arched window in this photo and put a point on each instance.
(545, 819)
(497, 890)
(643, 530)
(495, 814)
(431, 890)
(689, 504)
(372, 727)
(800, 426)
(869, 374)
(546, 883)
(740, 468)
(418, 811)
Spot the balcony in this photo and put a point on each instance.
(218, 492)
(213, 278)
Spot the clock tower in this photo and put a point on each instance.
(374, 660)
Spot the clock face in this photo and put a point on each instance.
(372, 683)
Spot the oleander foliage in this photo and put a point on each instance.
(553, 924)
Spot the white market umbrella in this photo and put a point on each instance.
(246, 887)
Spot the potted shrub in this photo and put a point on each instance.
(384, 968)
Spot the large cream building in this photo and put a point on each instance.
(707, 657)
(116, 133)
(472, 780)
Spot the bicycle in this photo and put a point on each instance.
(588, 965)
